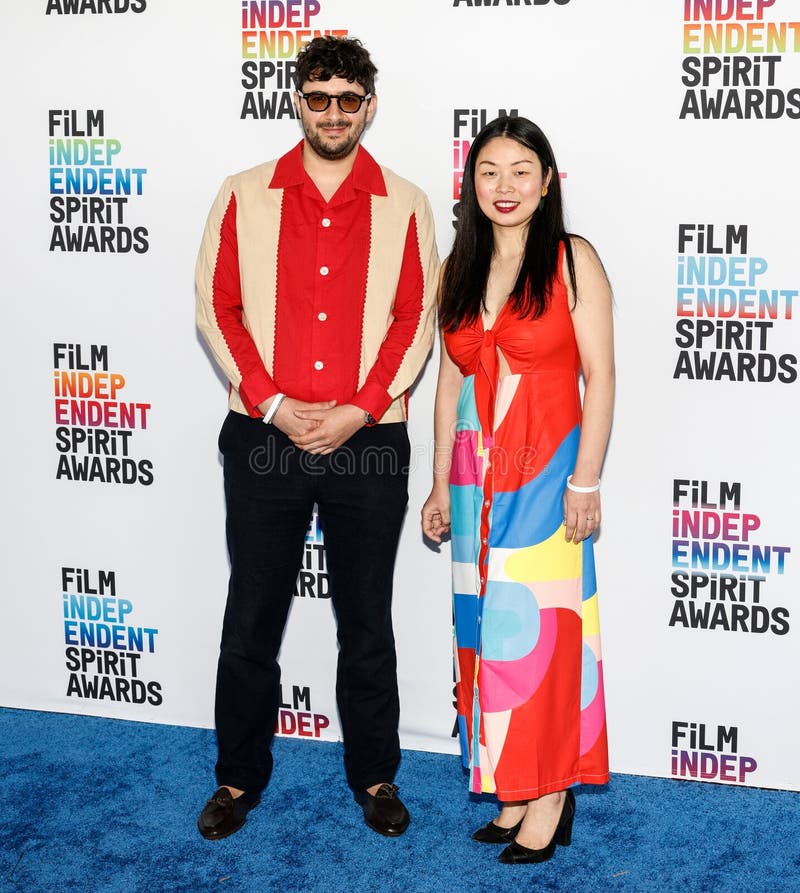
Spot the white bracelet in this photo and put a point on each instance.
(576, 489)
(273, 408)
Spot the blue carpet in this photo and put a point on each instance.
(97, 805)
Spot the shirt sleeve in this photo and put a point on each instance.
(220, 316)
(410, 336)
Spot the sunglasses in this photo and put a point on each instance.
(348, 102)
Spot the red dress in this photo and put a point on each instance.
(529, 672)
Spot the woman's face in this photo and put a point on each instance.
(509, 182)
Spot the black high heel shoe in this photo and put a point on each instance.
(516, 854)
(492, 833)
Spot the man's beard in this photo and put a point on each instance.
(337, 150)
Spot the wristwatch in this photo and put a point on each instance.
(369, 419)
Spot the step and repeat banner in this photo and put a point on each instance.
(676, 131)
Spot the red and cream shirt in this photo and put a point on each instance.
(318, 300)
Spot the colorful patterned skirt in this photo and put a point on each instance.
(529, 674)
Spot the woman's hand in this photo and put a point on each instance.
(581, 514)
(436, 513)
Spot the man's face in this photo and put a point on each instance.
(334, 134)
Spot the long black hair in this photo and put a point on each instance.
(467, 270)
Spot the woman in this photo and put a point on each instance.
(524, 307)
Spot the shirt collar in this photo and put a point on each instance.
(366, 174)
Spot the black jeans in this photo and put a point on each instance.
(361, 491)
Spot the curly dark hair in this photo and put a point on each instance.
(335, 57)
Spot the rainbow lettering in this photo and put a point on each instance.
(730, 46)
(273, 33)
(719, 573)
(726, 311)
(94, 426)
(104, 650)
(89, 190)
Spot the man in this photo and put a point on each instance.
(315, 283)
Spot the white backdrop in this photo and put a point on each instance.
(693, 215)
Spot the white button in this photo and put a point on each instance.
(322, 317)
(325, 221)
(319, 365)
(487, 503)
(485, 542)
(479, 620)
(324, 271)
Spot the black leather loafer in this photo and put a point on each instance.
(492, 833)
(224, 814)
(384, 812)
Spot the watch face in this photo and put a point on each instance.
(369, 419)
